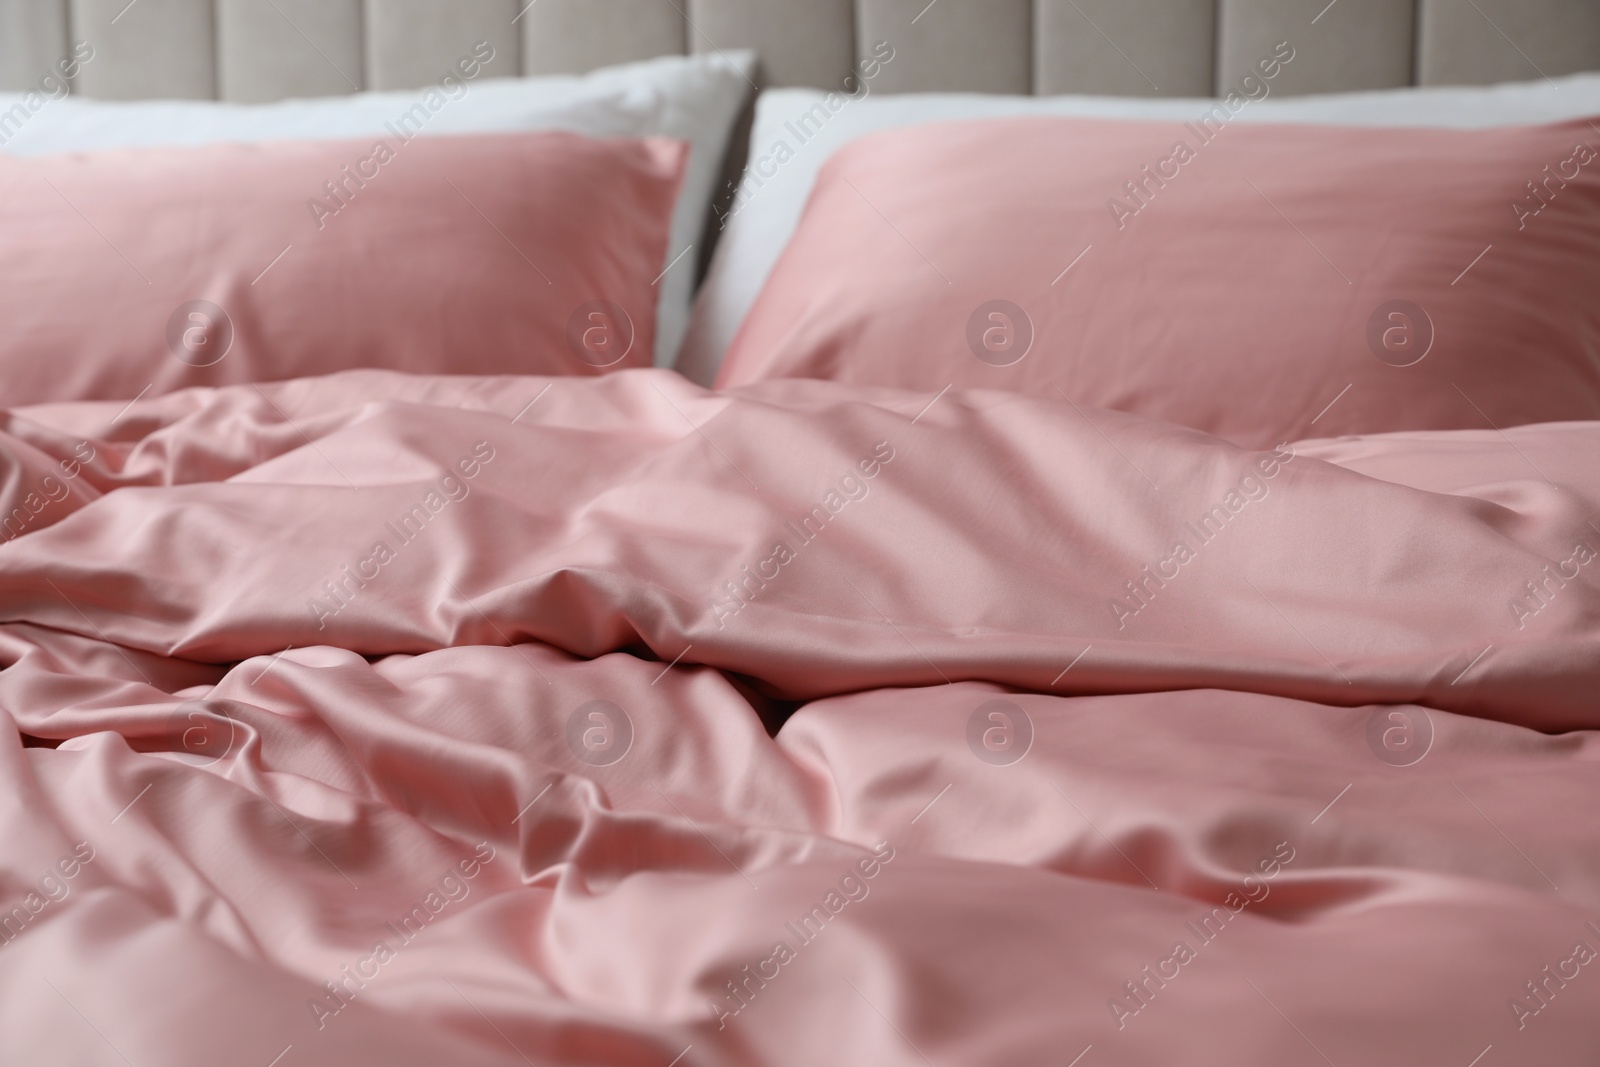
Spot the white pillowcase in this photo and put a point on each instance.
(778, 181)
(691, 98)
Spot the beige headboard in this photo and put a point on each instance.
(260, 50)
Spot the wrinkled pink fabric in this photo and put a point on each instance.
(1235, 278)
(1210, 765)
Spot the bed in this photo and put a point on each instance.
(725, 532)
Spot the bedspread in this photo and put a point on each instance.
(404, 720)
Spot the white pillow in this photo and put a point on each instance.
(792, 139)
(691, 98)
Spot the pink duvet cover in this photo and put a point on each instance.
(378, 719)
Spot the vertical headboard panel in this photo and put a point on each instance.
(1338, 46)
(810, 43)
(566, 37)
(271, 49)
(950, 46)
(262, 50)
(33, 36)
(1486, 41)
(150, 48)
(1125, 47)
(412, 43)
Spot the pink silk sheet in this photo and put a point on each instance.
(379, 719)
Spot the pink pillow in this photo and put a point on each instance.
(1239, 280)
(148, 270)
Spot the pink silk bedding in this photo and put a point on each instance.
(378, 719)
(154, 269)
(1238, 290)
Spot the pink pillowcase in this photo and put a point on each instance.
(153, 269)
(1263, 283)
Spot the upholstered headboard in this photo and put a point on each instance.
(260, 50)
